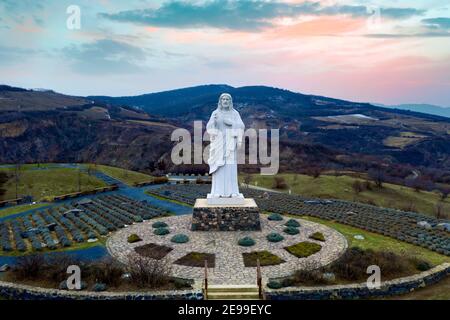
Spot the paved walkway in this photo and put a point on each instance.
(230, 267)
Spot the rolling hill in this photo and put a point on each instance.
(134, 132)
(312, 125)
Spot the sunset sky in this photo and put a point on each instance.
(388, 52)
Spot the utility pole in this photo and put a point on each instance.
(17, 180)
(79, 179)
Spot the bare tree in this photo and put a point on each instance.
(248, 179)
(79, 180)
(146, 272)
(279, 183)
(314, 171)
(439, 210)
(444, 191)
(16, 178)
(378, 176)
(357, 186)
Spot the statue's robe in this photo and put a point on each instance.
(222, 160)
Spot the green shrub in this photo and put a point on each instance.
(274, 237)
(291, 230)
(246, 242)
(99, 287)
(161, 231)
(287, 282)
(159, 224)
(182, 283)
(304, 249)
(275, 217)
(180, 238)
(274, 284)
(317, 236)
(132, 238)
(160, 180)
(292, 223)
(421, 265)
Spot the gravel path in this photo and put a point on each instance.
(230, 267)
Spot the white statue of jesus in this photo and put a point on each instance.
(226, 131)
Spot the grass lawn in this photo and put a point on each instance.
(379, 242)
(157, 196)
(20, 208)
(41, 184)
(75, 246)
(126, 176)
(340, 187)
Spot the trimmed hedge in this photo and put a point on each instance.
(291, 230)
(161, 231)
(303, 249)
(317, 236)
(132, 238)
(159, 224)
(275, 217)
(274, 237)
(246, 242)
(292, 223)
(180, 238)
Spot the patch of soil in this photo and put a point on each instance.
(197, 259)
(266, 258)
(153, 251)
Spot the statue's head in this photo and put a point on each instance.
(225, 101)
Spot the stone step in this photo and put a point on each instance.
(232, 288)
(233, 296)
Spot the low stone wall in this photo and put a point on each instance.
(395, 287)
(15, 291)
(360, 291)
(223, 218)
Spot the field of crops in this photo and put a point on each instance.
(60, 227)
(400, 225)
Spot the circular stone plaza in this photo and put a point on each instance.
(228, 255)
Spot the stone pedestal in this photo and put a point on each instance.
(243, 217)
(233, 201)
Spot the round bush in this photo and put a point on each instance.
(132, 238)
(98, 287)
(274, 237)
(180, 238)
(275, 217)
(422, 265)
(161, 231)
(159, 224)
(291, 230)
(182, 283)
(274, 284)
(292, 223)
(246, 242)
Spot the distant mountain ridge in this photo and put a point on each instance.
(134, 131)
(175, 103)
(423, 108)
